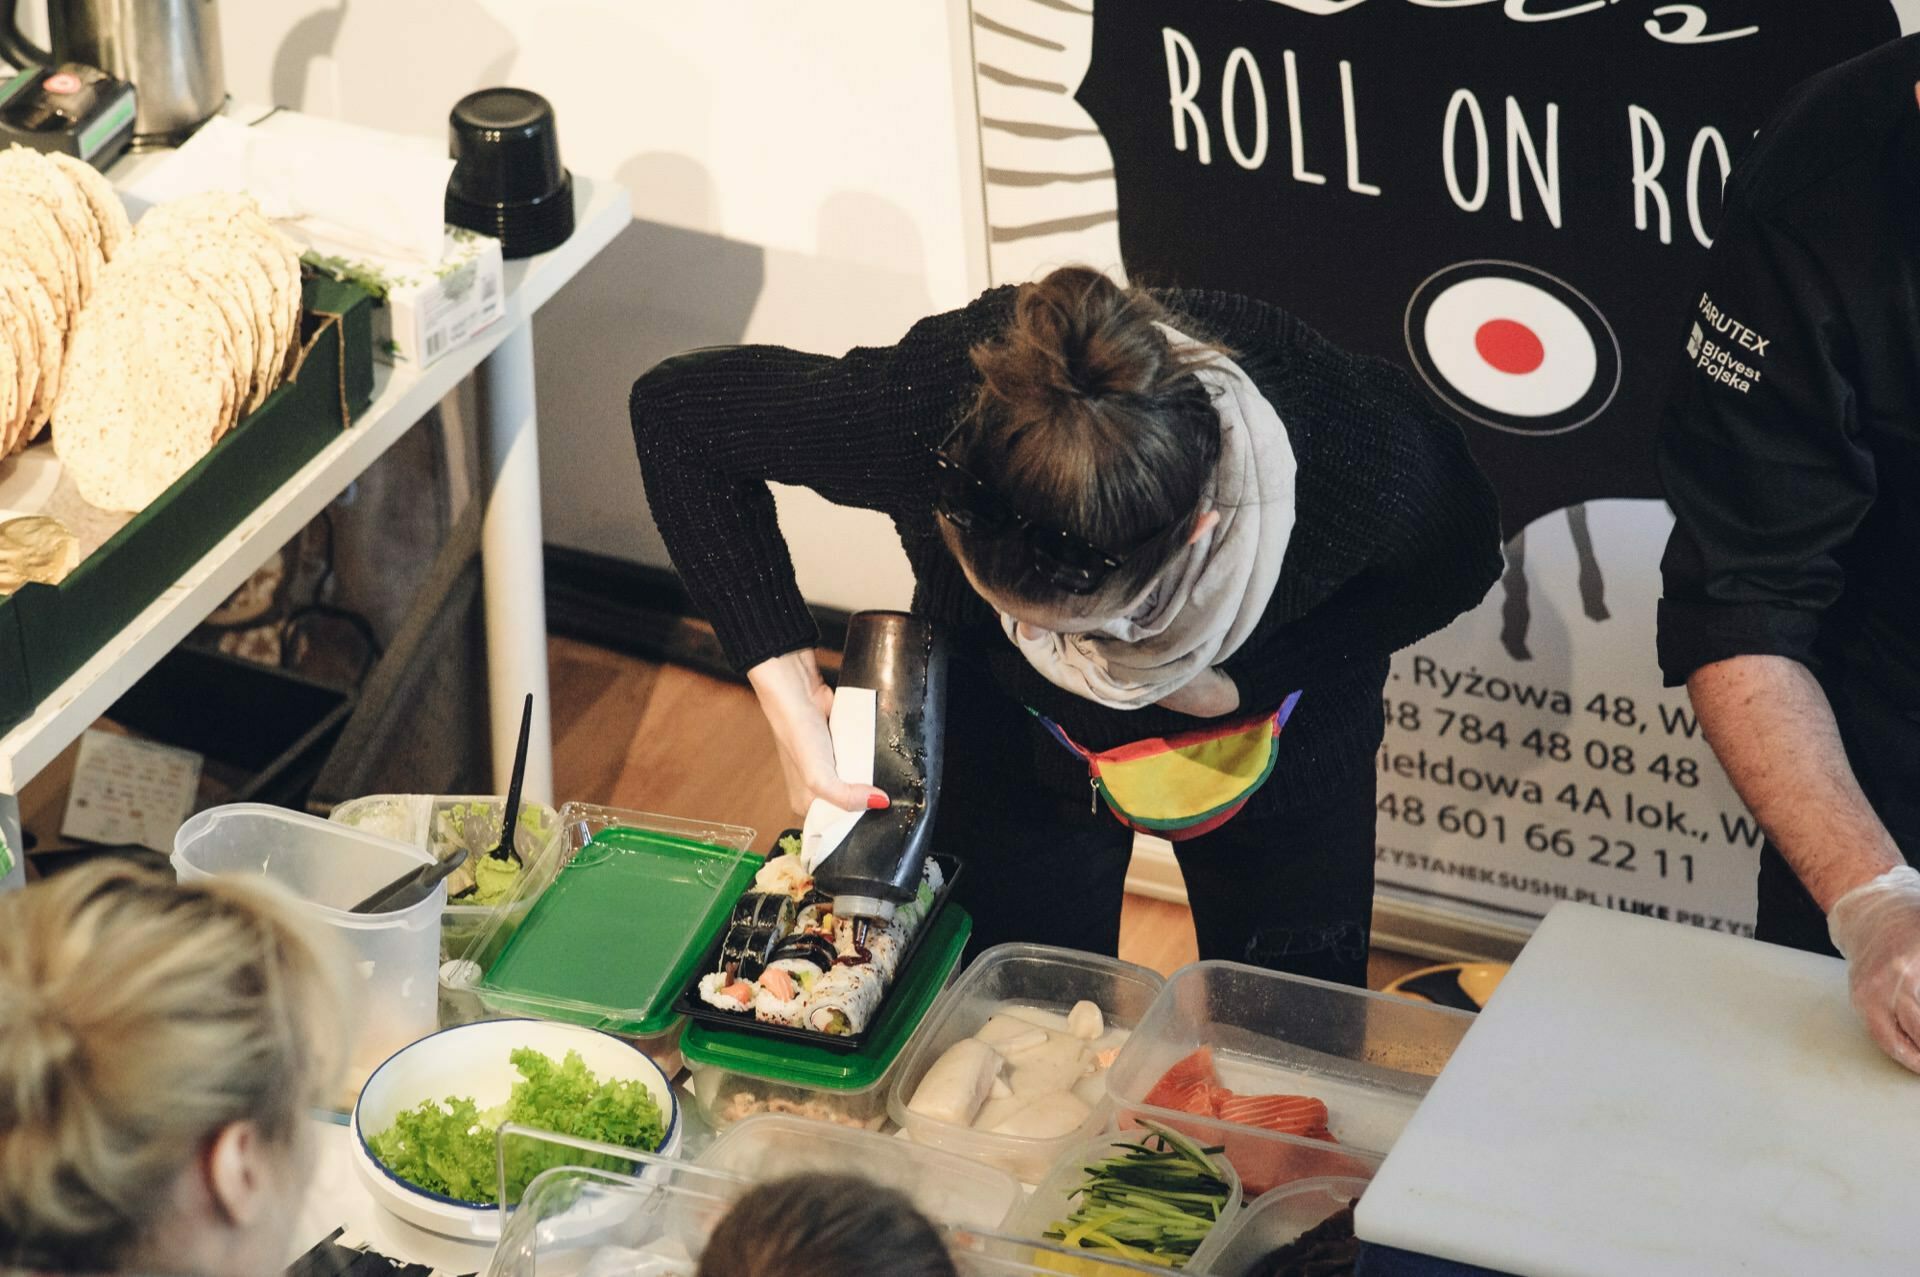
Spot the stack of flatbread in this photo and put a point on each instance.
(190, 327)
(60, 223)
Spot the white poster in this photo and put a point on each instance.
(1530, 758)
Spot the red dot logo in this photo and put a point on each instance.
(1509, 346)
(1512, 348)
(61, 83)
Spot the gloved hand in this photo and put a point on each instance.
(1877, 927)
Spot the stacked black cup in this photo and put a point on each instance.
(507, 178)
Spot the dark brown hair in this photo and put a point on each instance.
(841, 1224)
(1088, 420)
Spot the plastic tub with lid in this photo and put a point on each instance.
(1368, 1056)
(440, 823)
(634, 901)
(1023, 975)
(1052, 1200)
(1279, 1219)
(331, 868)
(947, 1189)
(736, 1075)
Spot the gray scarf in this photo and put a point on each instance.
(1207, 601)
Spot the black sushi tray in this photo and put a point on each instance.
(738, 1022)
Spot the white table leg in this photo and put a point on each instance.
(511, 566)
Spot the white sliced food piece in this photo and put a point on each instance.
(1046, 1117)
(1092, 1088)
(1052, 1021)
(1011, 1036)
(1085, 1021)
(999, 1090)
(994, 1112)
(1050, 1069)
(957, 1084)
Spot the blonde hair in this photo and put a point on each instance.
(138, 1018)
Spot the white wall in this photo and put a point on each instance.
(801, 175)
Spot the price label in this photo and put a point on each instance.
(128, 791)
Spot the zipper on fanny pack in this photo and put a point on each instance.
(1093, 798)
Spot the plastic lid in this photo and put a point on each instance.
(616, 936)
(798, 1064)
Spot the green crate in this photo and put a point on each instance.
(49, 631)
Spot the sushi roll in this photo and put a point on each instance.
(816, 951)
(843, 1001)
(915, 911)
(885, 945)
(760, 922)
(723, 992)
(772, 909)
(815, 917)
(782, 995)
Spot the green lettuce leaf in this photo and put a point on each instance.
(450, 1150)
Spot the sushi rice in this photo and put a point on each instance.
(768, 1008)
(844, 1000)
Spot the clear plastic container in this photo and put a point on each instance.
(574, 1221)
(440, 823)
(947, 1189)
(1369, 1056)
(1279, 1219)
(736, 1075)
(331, 868)
(609, 943)
(1053, 1199)
(1026, 975)
(983, 1254)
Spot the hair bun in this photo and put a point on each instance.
(1076, 334)
(38, 1046)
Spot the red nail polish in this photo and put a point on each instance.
(878, 802)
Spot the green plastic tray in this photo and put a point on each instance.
(616, 936)
(801, 1064)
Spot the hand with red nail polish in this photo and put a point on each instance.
(796, 701)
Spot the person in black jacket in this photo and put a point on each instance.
(1791, 454)
(1139, 515)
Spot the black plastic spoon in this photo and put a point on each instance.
(506, 851)
(411, 887)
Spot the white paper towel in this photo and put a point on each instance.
(853, 726)
(349, 191)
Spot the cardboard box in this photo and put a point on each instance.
(422, 312)
(54, 629)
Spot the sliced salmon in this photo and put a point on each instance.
(1176, 1089)
(1266, 1162)
(1287, 1114)
(1195, 1098)
(1217, 1098)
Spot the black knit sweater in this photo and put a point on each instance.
(1396, 531)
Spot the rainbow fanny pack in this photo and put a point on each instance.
(1186, 785)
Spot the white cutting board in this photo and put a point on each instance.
(1644, 1099)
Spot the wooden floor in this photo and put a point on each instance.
(661, 738)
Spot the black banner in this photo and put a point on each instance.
(1513, 196)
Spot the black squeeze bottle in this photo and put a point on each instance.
(903, 659)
